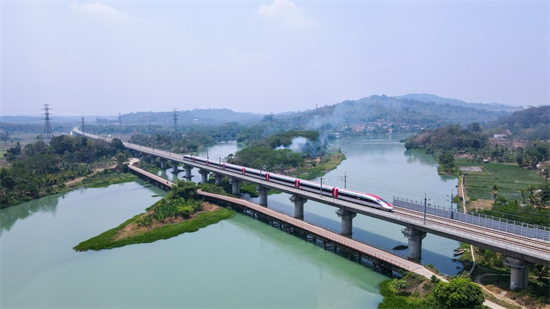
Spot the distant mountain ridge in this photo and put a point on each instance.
(195, 116)
(426, 97)
(403, 110)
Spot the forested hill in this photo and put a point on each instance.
(195, 116)
(531, 123)
(397, 110)
(425, 97)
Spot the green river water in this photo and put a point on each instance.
(238, 262)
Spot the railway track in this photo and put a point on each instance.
(518, 240)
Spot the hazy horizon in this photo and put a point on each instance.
(105, 58)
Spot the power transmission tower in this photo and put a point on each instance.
(47, 125)
(175, 122)
(83, 131)
(119, 119)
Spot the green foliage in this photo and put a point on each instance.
(183, 189)
(39, 169)
(397, 295)
(267, 158)
(400, 284)
(450, 138)
(106, 240)
(532, 213)
(447, 163)
(209, 187)
(458, 293)
(530, 123)
(511, 179)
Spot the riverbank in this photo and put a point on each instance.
(318, 167)
(182, 211)
(130, 232)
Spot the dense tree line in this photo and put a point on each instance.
(532, 123)
(269, 153)
(38, 169)
(449, 138)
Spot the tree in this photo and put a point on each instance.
(458, 293)
(447, 162)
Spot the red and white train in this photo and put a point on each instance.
(370, 200)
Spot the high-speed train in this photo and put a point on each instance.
(370, 200)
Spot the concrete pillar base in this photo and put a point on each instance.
(153, 159)
(519, 272)
(218, 178)
(298, 206)
(174, 167)
(415, 242)
(235, 185)
(347, 221)
(204, 175)
(163, 163)
(263, 194)
(187, 171)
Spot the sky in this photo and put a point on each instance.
(110, 57)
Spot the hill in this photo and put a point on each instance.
(531, 123)
(426, 97)
(379, 113)
(195, 116)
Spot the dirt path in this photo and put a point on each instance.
(73, 182)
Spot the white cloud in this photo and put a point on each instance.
(287, 11)
(99, 11)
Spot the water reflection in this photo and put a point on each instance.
(10, 215)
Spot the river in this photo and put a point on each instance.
(235, 263)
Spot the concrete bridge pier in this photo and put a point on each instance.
(204, 175)
(298, 206)
(174, 167)
(519, 272)
(347, 221)
(415, 242)
(187, 171)
(162, 163)
(153, 159)
(263, 194)
(235, 185)
(218, 179)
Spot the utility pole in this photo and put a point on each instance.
(425, 206)
(47, 125)
(321, 192)
(452, 214)
(345, 178)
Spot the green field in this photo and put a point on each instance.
(510, 179)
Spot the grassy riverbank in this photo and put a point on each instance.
(109, 239)
(182, 211)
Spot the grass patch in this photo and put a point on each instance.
(509, 177)
(106, 240)
(105, 179)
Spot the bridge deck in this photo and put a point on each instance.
(334, 237)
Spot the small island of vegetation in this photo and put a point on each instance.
(302, 154)
(181, 211)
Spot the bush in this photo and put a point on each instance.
(400, 284)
